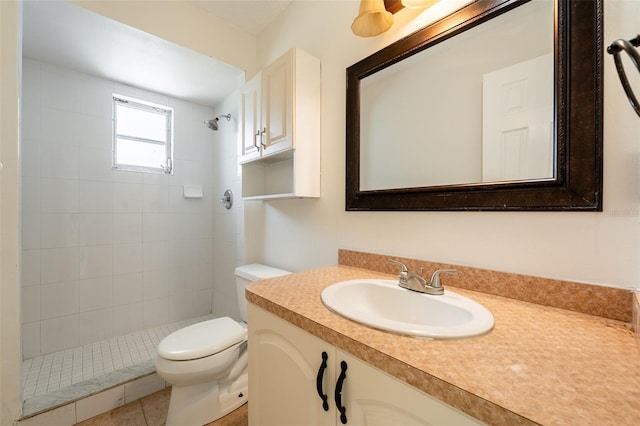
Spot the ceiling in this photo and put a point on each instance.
(251, 16)
(68, 35)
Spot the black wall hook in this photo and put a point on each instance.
(628, 46)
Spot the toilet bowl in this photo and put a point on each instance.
(206, 363)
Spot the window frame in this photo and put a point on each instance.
(142, 105)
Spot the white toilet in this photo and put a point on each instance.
(206, 363)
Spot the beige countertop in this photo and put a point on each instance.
(539, 365)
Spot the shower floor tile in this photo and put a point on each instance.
(49, 374)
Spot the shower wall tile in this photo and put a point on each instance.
(127, 228)
(95, 229)
(95, 326)
(127, 288)
(155, 255)
(31, 195)
(180, 278)
(180, 227)
(155, 226)
(181, 173)
(30, 339)
(127, 258)
(57, 334)
(30, 154)
(104, 251)
(60, 87)
(59, 127)
(202, 301)
(203, 276)
(96, 293)
(58, 195)
(127, 198)
(93, 91)
(58, 161)
(30, 231)
(126, 176)
(180, 306)
(155, 284)
(95, 132)
(156, 179)
(181, 252)
(59, 264)
(96, 261)
(94, 162)
(31, 303)
(31, 268)
(203, 250)
(59, 299)
(58, 230)
(179, 204)
(31, 73)
(95, 197)
(155, 198)
(127, 318)
(155, 311)
(31, 124)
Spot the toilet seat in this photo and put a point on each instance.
(201, 340)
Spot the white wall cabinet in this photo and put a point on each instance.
(280, 129)
(287, 375)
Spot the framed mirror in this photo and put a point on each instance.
(497, 106)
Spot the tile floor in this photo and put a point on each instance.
(47, 376)
(152, 411)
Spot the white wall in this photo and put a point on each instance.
(10, 64)
(584, 247)
(107, 252)
(228, 250)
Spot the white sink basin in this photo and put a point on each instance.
(382, 304)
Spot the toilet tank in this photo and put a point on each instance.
(246, 274)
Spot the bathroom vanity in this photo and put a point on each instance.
(298, 378)
(539, 365)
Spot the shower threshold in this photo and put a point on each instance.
(59, 378)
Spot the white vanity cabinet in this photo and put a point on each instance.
(287, 375)
(280, 110)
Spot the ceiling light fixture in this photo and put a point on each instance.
(418, 4)
(372, 20)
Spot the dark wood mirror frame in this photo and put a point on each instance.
(578, 119)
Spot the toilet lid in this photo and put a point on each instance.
(202, 339)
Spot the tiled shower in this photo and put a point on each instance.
(109, 253)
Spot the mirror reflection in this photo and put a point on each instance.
(476, 108)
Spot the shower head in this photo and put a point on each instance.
(213, 123)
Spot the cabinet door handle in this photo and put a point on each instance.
(263, 137)
(319, 381)
(338, 394)
(255, 140)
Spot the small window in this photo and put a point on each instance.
(142, 136)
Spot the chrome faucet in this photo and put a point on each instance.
(415, 282)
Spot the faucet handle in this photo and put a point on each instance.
(402, 265)
(435, 278)
(403, 272)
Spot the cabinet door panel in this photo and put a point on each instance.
(373, 398)
(250, 98)
(283, 366)
(277, 110)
